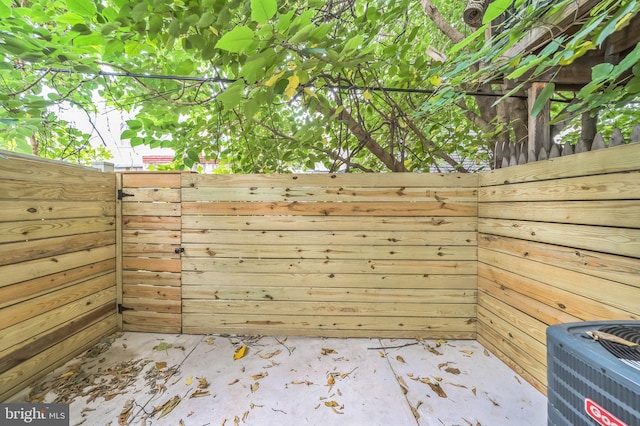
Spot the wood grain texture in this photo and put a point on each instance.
(558, 242)
(58, 239)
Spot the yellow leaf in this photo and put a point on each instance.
(366, 95)
(399, 358)
(274, 79)
(189, 381)
(310, 92)
(241, 352)
(292, 87)
(331, 381)
(624, 21)
(331, 404)
(214, 31)
(292, 66)
(67, 374)
(161, 365)
(515, 62)
(255, 386)
(435, 80)
(468, 352)
(327, 351)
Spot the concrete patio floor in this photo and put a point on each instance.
(161, 379)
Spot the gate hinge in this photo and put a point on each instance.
(122, 194)
(122, 308)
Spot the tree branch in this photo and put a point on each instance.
(447, 29)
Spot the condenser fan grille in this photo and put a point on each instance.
(627, 354)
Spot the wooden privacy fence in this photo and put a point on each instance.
(330, 255)
(151, 266)
(559, 241)
(498, 256)
(339, 255)
(57, 265)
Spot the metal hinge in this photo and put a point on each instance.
(122, 194)
(122, 308)
(179, 250)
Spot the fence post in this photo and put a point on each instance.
(539, 130)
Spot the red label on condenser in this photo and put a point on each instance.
(601, 415)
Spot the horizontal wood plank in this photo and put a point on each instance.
(330, 280)
(151, 209)
(329, 194)
(419, 208)
(349, 294)
(27, 309)
(321, 325)
(303, 309)
(576, 294)
(329, 252)
(30, 270)
(620, 241)
(152, 195)
(151, 278)
(167, 223)
(617, 159)
(317, 266)
(617, 186)
(334, 223)
(12, 253)
(38, 229)
(376, 180)
(611, 267)
(151, 180)
(16, 293)
(372, 237)
(619, 214)
(19, 209)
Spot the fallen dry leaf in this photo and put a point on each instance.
(414, 410)
(259, 376)
(163, 346)
(473, 390)
(327, 351)
(331, 404)
(437, 389)
(441, 341)
(236, 420)
(244, 416)
(270, 354)
(234, 382)
(452, 370)
(67, 374)
(210, 341)
(199, 393)
(486, 352)
(123, 418)
(381, 354)
(189, 381)
(240, 352)
(202, 383)
(399, 358)
(403, 385)
(167, 407)
(161, 365)
(433, 350)
(191, 413)
(255, 386)
(181, 422)
(306, 382)
(331, 381)
(467, 352)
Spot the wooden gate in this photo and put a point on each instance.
(151, 265)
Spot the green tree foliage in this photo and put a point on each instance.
(266, 85)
